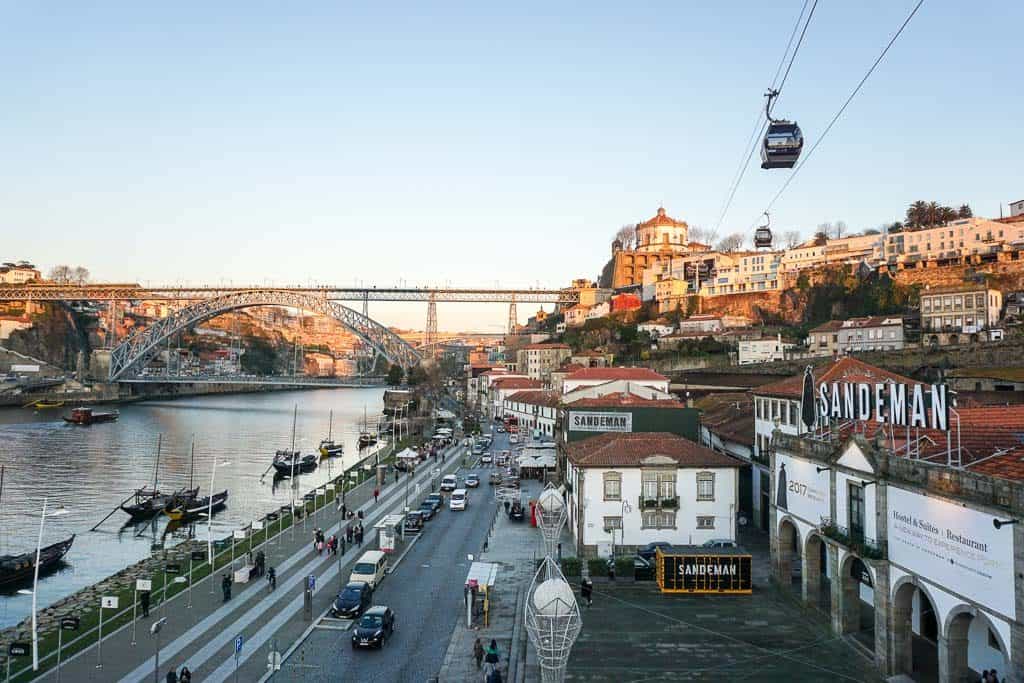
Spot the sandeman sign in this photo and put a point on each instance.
(700, 573)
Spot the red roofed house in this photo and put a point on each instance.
(502, 387)
(589, 377)
(622, 303)
(535, 410)
(626, 490)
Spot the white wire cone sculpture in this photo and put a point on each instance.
(552, 620)
(551, 517)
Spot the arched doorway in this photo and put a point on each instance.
(915, 631)
(817, 588)
(971, 645)
(788, 556)
(857, 602)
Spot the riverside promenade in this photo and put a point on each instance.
(204, 636)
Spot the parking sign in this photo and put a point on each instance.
(311, 582)
(238, 643)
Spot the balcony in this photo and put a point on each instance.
(648, 503)
(857, 542)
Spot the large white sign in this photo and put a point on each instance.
(600, 422)
(800, 489)
(952, 546)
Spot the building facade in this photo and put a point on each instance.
(762, 350)
(535, 411)
(874, 333)
(965, 309)
(537, 361)
(592, 377)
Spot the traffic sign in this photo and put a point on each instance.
(238, 643)
(311, 582)
(108, 602)
(274, 661)
(69, 623)
(173, 568)
(199, 555)
(19, 649)
(143, 585)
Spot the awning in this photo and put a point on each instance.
(408, 454)
(484, 573)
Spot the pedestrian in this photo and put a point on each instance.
(225, 586)
(984, 677)
(349, 532)
(344, 511)
(587, 590)
(396, 475)
(611, 570)
(172, 676)
(494, 676)
(491, 655)
(185, 676)
(144, 600)
(508, 506)
(342, 545)
(376, 495)
(478, 653)
(272, 579)
(359, 535)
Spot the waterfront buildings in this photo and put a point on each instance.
(18, 273)
(873, 333)
(589, 377)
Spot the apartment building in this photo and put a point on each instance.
(963, 309)
(874, 333)
(961, 239)
(670, 293)
(537, 361)
(823, 340)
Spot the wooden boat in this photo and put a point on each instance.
(196, 507)
(285, 462)
(366, 440)
(17, 568)
(85, 416)
(43, 405)
(329, 449)
(149, 502)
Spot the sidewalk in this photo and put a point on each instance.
(516, 547)
(203, 637)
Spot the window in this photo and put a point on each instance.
(856, 511)
(993, 642)
(705, 522)
(658, 519)
(612, 486)
(612, 523)
(705, 486)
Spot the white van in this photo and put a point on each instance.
(449, 482)
(371, 568)
(459, 501)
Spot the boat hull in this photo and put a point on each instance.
(15, 569)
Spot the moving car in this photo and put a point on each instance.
(501, 430)
(494, 479)
(486, 458)
(513, 438)
(449, 482)
(649, 550)
(371, 568)
(427, 510)
(352, 600)
(515, 512)
(472, 481)
(460, 499)
(376, 626)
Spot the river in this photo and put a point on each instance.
(90, 470)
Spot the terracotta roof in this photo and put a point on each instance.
(703, 316)
(613, 449)
(610, 374)
(1005, 374)
(730, 416)
(545, 346)
(494, 373)
(662, 219)
(588, 354)
(977, 399)
(570, 368)
(873, 321)
(1011, 219)
(846, 369)
(536, 398)
(625, 400)
(954, 289)
(516, 383)
(830, 326)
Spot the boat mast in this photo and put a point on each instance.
(330, 425)
(192, 467)
(1, 502)
(156, 470)
(294, 456)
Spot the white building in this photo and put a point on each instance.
(626, 490)
(503, 387)
(874, 333)
(534, 410)
(591, 377)
(601, 310)
(1017, 208)
(762, 350)
(18, 273)
(656, 328)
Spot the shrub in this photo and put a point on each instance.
(571, 566)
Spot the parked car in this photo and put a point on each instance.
(494, 479)
(352, 600)
(435, 499)
(374, 627)
(413, 522)
(513, 438)
(515, 512)
(478, 449)
(449, 482)
(719, 543)
(486, 458)
(649, 550)
(472, 481)
(427, 510)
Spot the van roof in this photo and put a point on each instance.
(458, 492)
(371, 556)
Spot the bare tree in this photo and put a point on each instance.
(839, 229)
(80, 275)
(626, 235)
(731, 242)
(699, 234)
(61, 274)
(791, 238)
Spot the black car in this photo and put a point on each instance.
(374, 627)
(649, 550)
(413, 522)
(515, 512)
(436, 500)
(427, 510)
(351, 601)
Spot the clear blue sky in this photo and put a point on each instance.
(471, 142)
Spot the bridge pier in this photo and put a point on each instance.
(430, 331)
(513, 323)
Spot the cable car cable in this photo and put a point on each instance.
(842, 109)
(778, 90)
(759, 125)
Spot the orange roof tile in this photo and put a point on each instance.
(623, 399)
(536, 398)
(846, 369)
(661, 219)
(610, 374)
(613, 449)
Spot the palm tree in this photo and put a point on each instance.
(916, 214)
(932, 213)
(965, 211)
(947, 214)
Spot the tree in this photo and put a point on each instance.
(699, 234)
(416, 376)
(80, 275)
(394, 377)
(61, 274)
(917, 214)
(626, 235)
(731, 242)
(872, 231)
(791, 238)
(820, 238)
(839, 229)
(965, 211)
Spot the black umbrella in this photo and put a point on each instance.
(808, 413)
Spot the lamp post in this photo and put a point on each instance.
(35, 582)
(155, 630)
(209, 521)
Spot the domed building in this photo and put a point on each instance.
(662, 232)
(657, 239)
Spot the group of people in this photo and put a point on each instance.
(991, 676)
(489, 656)
(320, 543)
(184, 677)
(354, 533)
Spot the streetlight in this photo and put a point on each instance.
(155, 630)
(209, 521)
(35, 582)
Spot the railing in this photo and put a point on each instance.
(667, 503)
(855, 541)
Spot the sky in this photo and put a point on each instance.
(473, 144)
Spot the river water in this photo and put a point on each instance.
(90, 470)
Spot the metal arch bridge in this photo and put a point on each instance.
(129, 357)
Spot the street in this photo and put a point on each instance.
(425, 591)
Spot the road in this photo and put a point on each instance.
(425, 590)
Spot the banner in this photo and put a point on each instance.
(704, 573)
(600, 422)
(800, 489)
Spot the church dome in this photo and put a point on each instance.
(662, 219)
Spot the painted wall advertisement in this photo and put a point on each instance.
(800, 489)
(953, 546)
(580, 421)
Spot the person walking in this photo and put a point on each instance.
(491, 656)
(348, 533)
(172, 676)
(272, 579)
(587, 590)
(225, 586)
(185, 676)
(376, 495)
(144, 600)
(478, 653)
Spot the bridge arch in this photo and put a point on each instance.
(135, 352)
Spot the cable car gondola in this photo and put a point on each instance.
(763, 235)
(783, 142)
